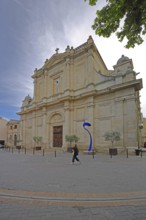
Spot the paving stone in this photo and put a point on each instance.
(118, 185)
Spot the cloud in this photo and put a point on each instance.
(31, 32)
(21, 5)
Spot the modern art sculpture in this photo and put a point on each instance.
(85, 125)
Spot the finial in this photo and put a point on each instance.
(57, 49)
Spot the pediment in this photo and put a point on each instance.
(55, 59)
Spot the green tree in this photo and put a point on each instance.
(112, 136)
(71, 138)
(37, 139)
(125, 18)
(76, 139)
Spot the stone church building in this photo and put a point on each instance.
(75, 86)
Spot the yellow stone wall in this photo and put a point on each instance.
(13, 133)
(144, 129)
(3, 129)
(76, 86)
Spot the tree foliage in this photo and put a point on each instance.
(112, 136)
(71, 138)
(126, 18)
(75, 138)
(37, 139)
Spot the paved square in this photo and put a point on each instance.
(49, 187)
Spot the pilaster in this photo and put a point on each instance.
(66, 126)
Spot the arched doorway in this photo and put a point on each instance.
(57, 136)
(56, 125)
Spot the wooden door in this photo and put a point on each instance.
(57, 136)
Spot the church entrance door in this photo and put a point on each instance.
(57, 136)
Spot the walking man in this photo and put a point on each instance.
(75, 154)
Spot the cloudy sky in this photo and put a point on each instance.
(31, 30)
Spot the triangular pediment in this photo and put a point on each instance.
(55, 59)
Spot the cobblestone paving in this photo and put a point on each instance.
(49, 187)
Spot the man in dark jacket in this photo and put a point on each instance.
(75, 154)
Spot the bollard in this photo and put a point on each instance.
(111, 154)
(127, 152)
(33, 151)
(25, 150)
(141, 153)
(55, 153)
(43, 152)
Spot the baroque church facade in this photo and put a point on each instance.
(74, 87)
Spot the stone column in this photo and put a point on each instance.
(35, 90)
(132, 123)
(90, 118)
(124, 105)
(90, 67)
(44, 128)
(66, 124)
(67, 74)
(45, 83)
(33, 127)
(24, 131)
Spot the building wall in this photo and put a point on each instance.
(76, 86)
(13, 133)
(144, 129)
(3, 130)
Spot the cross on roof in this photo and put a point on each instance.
(57, 49)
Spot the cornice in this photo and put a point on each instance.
(71, 54)
(61, 98)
